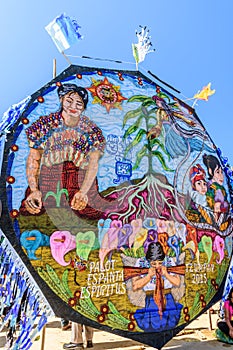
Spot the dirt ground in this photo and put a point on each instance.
(197, 336)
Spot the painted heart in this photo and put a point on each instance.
(207, 245)
(62, 242)
(123, 236)
(84, 243)
(110, 240)
(218, 246)
(136, 226)
(173, 243)
(32, 240)
(152, 236)
(103, 226)
(150, 223)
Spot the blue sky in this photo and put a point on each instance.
(193, 42)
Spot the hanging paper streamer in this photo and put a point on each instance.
(143, 47)
(12, 114)
(118, 203)
(22, 303)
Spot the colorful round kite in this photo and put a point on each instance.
(116, 205)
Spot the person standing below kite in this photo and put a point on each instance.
(161, 312)
(76, 342)
(65, 148)
(226, 326)
(216, 194)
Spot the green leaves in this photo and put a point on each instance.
(142, 153)
(51, 278)
(65, 283)
(161, 159)
(131, 114)
(156, 141)
(163, 95)
(145, 113)
(148, 102)
(136, 140)
(139, 98)
(133, 128)
(58, 194)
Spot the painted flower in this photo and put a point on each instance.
(77, 294)
(104, 309)
(72, 302)
(131, 316)
(131, 326)
(101, 318)
(14, 213)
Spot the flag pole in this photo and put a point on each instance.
(70, 63)
(54, 68)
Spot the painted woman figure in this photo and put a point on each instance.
(197, 201)
(65, 148)
(216, 194)
(161, 311)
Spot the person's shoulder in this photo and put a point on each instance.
(87, 123)
(53, 119)
(45, 122)
(216, 186)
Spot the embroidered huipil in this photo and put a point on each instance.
(62, 143)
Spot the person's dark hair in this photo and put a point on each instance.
(211, 162)
(69, 88)
(155, 252)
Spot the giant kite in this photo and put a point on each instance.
(115, 208)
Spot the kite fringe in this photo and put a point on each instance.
(24, 309)
(11, 116)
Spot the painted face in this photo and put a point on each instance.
(218, 175)
(72, 105)
(201, 186)
(156, 263)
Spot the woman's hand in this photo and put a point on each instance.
(164, 271)
(217, 207)
(79, 201)
(151, 272)
(33, 202)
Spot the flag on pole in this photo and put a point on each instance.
(64, 32)
(204, 93)
(143, 47)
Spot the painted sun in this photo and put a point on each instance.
(106, 94)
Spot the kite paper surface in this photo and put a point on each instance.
(123, 219)
(64, 32)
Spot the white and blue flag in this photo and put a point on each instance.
(64, 32)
